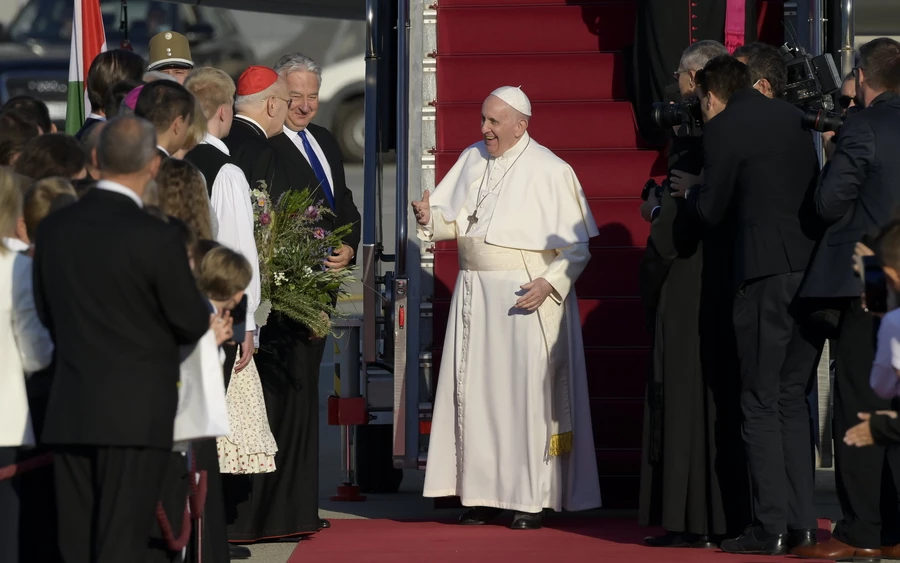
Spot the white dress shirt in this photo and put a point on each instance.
(119, 189)
(884, 379)
(230, 199)
(294, 136)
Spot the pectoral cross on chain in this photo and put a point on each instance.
(472, 219)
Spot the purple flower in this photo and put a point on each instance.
(312, 213)
(265, 219)
(319, 233)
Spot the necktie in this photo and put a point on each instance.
(317, 168)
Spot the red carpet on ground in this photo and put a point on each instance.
(570, 539)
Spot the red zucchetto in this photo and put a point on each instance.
(255, 79)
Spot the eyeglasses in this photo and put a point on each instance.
(289, 101)
(846, 101)
(677, 74)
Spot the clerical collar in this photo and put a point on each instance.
(515, 150)
(253, 122)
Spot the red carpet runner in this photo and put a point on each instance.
(569, 540)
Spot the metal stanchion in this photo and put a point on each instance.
(346, 408)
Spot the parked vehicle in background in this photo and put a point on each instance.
(34, 48)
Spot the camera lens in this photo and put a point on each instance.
(667, 115)
(821, 120)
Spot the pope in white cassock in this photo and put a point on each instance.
(512, 425)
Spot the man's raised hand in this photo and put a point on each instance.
(422, 209)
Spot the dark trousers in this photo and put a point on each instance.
(778, 361)
(230, 358)
(106, 499)
(860, 473)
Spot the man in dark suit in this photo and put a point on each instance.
(760, 173)
(858, 194)
(168, 106)
(113, 286)
(285, 503)
(261, 105)
(107, 68)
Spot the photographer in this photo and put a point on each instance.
(847, 102)
(693, 393)
(859, 189)
(761, 168)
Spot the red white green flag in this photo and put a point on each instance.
(88, 41)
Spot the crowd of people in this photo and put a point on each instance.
(128, 248)
(749, 269)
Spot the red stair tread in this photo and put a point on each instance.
(602, 173)
(475, 29)
(547, 77)
(560, 125)
(617, 423)
(612, 272)
(618, 462)
(621, 492)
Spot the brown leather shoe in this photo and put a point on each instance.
(890, 551)
(835, 549)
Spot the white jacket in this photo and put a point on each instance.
(25, 347)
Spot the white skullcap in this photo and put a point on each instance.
(515, 98)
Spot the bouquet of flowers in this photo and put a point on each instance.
(292, 252)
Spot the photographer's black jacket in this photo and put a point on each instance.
(858, 194)
(761, 170)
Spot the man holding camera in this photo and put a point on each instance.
(693, 393)
(859, 191)
(760, 169)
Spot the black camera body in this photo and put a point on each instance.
(686, 114)
(811, 81)
(657, 189)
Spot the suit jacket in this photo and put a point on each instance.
(114, 288)
(86, 128)
(301, 175)
(857, 195)
(252, 153)
(761, 169)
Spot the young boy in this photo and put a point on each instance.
(883, 428)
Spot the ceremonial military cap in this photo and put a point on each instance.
(169, 49)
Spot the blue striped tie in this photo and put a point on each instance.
(317, 168)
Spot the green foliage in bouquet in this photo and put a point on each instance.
(292, 252)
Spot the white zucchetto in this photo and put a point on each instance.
(515, 98)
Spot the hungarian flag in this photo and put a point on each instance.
(88, 41)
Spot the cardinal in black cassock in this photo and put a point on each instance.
(693, 475)
(664, 29)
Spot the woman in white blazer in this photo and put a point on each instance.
(25, 346)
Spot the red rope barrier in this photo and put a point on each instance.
(193, 510)
(37, 462)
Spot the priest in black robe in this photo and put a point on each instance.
(693, 475)
(663, 30)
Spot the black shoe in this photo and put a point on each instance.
(479, 515)
(324, 524)
(681, 539)
(801, 538)
(238, 552)
(755, 541)
(527, 521)
(703, 542)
